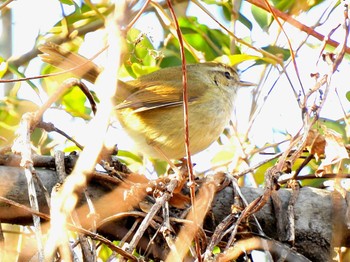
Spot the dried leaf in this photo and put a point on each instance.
(335, 152)
(316, 143)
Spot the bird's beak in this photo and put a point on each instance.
(244, 83)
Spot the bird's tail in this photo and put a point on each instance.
(66, 60)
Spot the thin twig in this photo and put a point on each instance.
(53, 74)
(49, 127)
(251, 169)
(153, 211)
(88, 157)
(289, 19)
(137, 16)
(22, 145)
(289, 44)
(73, 228)
(261, 51)
(6, 3)
(192, 184)
(257, 243)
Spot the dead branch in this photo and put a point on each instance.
(314, 210)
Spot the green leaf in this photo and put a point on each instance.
(160, 166)
(245, 21)
(210, 42)
(11, 111)
(278, 51)
(214, 2)
(216, 250)
(295, 7)
(67, 2)
(133, 161)
(223, 156)
(227, 10)
(74, 103)
(127, 154)
(204, 41)
(104, 252)
(262, 17)
(140, 46)
(337, 126)
(18, 73)
(81, 16)
(171, 55)
(284, 5)
(140, 70)
(226, 6)
(347, 95)
(141, 54)
(259, 174)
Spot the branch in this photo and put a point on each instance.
(16, 61)
(314, 210)
(287, 18)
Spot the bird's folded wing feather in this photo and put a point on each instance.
(155, 95)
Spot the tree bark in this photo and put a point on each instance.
(315, 211)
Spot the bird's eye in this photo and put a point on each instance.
(227, 75)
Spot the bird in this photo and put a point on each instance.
(150, 108)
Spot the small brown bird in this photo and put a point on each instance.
(150, 108)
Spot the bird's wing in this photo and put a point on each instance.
(155, 95)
